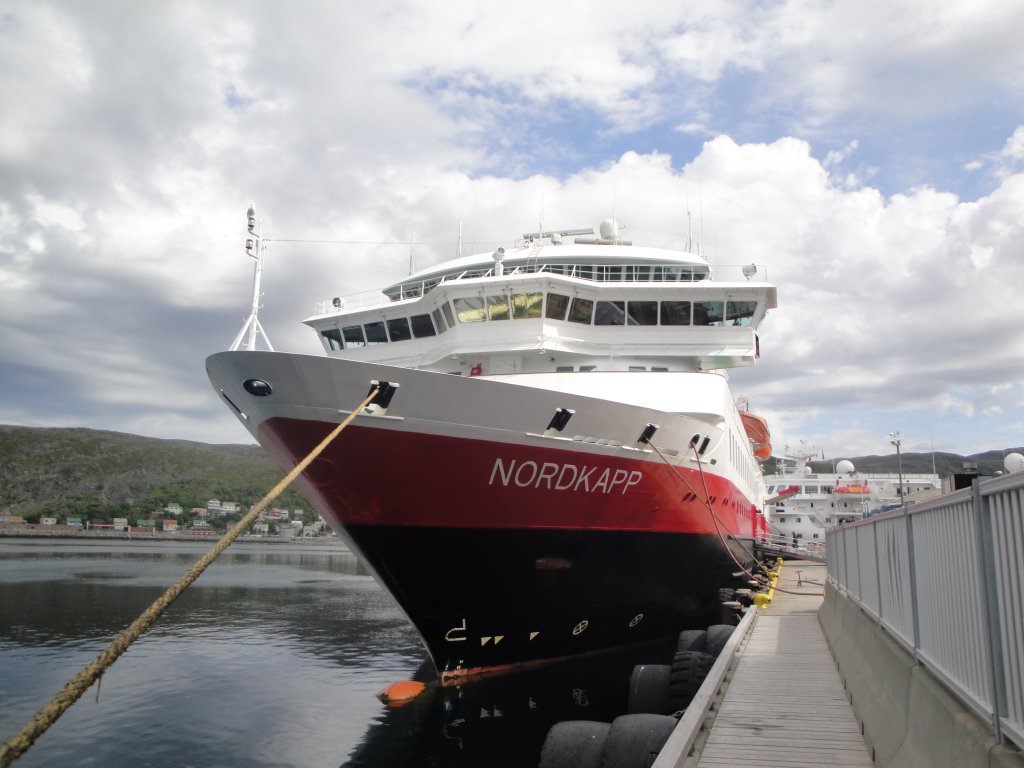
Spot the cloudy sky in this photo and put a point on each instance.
(869, 153)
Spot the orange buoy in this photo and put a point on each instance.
(402, 692)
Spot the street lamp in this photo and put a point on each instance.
(894, 439)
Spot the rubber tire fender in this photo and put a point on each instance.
(574, 744)
(648, 690)
(718, 635)
(634, 741)
(692, 640)
(689, 669)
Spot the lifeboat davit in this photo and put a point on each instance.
(757, 430)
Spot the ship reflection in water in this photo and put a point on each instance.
(272, 658)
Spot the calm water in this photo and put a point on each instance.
(272, 658)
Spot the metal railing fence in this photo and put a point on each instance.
(946, 578)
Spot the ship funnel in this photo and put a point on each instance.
(499, 256)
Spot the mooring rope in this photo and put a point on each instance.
(18, 744)
(706, 502)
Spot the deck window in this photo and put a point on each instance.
(581, 311)
(422, 327)
(332, 339)
(557, 304)
(448, 316)
(497, 308)
(642, 313)
(740, 312)
(675, 313)
(375, 334)
(398, 329)
(563, 369)
(353, 335)
(708, 312)
(610, 313)
(527, 305)
(438, 321)
(469, 309)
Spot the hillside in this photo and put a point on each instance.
(945, 464)
(91, 472)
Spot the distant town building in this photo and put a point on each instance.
(120, 524)
(147, 523)
(73, 521)
(173, 509)
(11, 520)
(47, 520)
(170, 526)
(217, 507)
(260, 528)
(200, 511)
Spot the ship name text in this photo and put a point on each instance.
(563, 477)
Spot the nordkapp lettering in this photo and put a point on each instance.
(563, 477)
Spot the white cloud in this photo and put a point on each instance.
(135, 136)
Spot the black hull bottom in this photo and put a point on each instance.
(489, 600)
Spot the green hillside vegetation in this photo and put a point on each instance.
(98, 475)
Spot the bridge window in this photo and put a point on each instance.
(375, 334)
(398, 329)
(610, 313)
(563, 369)
(438, 321)
(675, 313)
(740, 312)
(422, 327)
(469, 309)
(557, 304)
(448, 316)
(353, 335)
(526, 305)
(332, 339)
(497, 308)
(588, 368)
(581, 311)
(708, 312)
(642, 313)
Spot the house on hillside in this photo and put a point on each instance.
(173, 509)
(170, 526)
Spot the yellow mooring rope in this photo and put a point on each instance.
(18, 744)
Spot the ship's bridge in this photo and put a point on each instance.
(546, 307)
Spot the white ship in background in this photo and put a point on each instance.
(803, 504)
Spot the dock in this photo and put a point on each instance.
(784, 704)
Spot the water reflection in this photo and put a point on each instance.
(272, 658)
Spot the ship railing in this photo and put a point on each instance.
(600, 273)
(946, 580)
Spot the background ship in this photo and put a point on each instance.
(553, 463)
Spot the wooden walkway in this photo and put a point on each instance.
(785, 704)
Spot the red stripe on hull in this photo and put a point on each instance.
(382, 476)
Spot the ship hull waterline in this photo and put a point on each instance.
(509, 551)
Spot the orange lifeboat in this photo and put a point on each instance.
(853, 489)
(757, 430)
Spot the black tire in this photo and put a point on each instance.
(648, 690)
(574, 744)
(691, 640)
(718, 635)
(634, 741)
(689, 669)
